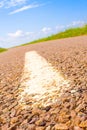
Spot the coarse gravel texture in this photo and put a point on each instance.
(68, 111)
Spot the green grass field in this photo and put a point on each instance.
(72, 32)
(2, 50)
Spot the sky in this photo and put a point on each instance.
(22, 21)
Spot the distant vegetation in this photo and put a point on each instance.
(72, 32)
(2, 50)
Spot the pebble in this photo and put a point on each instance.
(31, 127)
(77, 128)
(14, 120)
(61, 126)
(41, 122)
(4, 127)
(83, 124)
(13, 112)
(39, 128)
(73, 91)
(47, 108)
(3, 119)
(48, 128)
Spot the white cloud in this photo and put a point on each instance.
(20, 34)
(19, 37)
(18, 5)
(24, 8)
(16, 38)
(76, 23)
(46, 30)
(13, 3)
(17, 34)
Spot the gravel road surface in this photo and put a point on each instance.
(44, 86)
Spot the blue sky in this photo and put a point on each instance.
(22, 21)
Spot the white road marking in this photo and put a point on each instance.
(40, 80)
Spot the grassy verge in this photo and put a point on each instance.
(2, 50)
(72, 32)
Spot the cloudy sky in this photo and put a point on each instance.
(22, 21)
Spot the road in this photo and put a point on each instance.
(44, 86)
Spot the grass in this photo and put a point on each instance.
(2, 50)
(72, 32)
